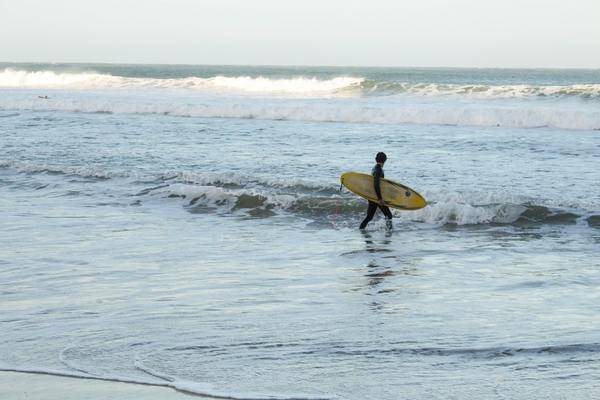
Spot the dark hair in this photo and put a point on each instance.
(380, 157)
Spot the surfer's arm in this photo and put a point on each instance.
(377, 184)
(378, 187)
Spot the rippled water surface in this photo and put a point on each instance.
(185, 227)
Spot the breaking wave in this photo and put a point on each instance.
(443, 209)
(267, 197)
(300, 85)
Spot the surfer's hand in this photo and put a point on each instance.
(381, 203)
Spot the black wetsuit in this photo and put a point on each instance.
(377, 173)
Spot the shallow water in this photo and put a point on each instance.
(213, 252)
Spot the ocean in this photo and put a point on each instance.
(184, 226)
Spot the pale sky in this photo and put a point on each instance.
(429, 33)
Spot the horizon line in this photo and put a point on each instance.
(299, 65)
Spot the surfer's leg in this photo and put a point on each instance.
(370, 213)
(388, 216)
(386, 211)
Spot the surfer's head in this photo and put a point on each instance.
(380, 157)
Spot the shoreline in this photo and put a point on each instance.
(34, 385)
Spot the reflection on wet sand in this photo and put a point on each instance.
(384, 263)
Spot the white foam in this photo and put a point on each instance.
(514, 115)
(464, 214)
(467, 208)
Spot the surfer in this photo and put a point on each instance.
(377, 173)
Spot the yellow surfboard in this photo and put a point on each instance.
(394, 194)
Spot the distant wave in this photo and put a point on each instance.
(307, 86)
(10, 78)
(512, 115)
(584, 91)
